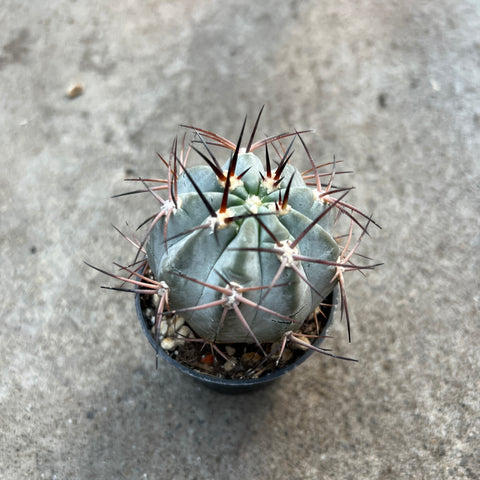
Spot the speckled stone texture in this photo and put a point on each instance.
(392, 89)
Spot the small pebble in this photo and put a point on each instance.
(229, 365)
(168, 344)
(296, 346)
(250, 359)
(183, 332)
(163, 327)
(179, 321)
(230, 350)
(75, 90)
(207, 359)
(287, 355)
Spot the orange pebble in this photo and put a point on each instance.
(207, 359)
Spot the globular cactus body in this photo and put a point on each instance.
(245, 252)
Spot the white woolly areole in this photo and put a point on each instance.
(276, 208)
(288, 253)
(235, 182)
(232, 298)
(169, 205)
(163, 288)
(269, 184)
(220, 220)
(318, 196)
(253, 202)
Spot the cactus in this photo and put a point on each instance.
(245, 251)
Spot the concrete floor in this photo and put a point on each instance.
(392, 89)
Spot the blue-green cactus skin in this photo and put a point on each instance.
(239, 252)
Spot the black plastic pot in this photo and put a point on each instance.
(232, 385)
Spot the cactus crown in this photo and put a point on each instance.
(244, 251)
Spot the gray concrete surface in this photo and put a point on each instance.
(392, 88)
